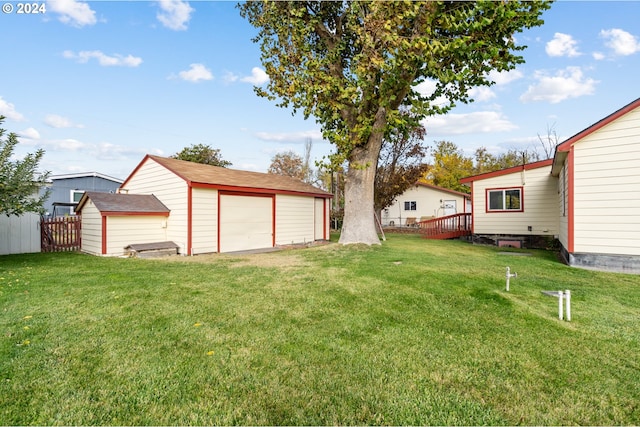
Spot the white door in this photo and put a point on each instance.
(246, 222)
(319, 220)
(449, 207)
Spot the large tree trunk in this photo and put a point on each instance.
(359, 224)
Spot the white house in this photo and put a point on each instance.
(215, 209)
(424, 201)
(598, 177)
(515, 206)
(586, 197)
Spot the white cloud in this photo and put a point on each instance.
(482, 93)
(427, 88)
(29, 133)
(598, 56)
(290, 137)
(257, 77)
(562, 45)
(229, 77)
(105, 60)
(459, 124)
(502, 78)
(68, 145)
(174, 14)
(8, 110)
(565, 84)
(196, 73)
(72, 12)
(59, 122)
(621, 42)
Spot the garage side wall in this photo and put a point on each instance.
(205, 221)
(91, 231)
(606, 180)
(295, 219)
(152, 178)
(125, 230)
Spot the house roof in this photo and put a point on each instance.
(563, 148)
(507, 171)
(445, 190)
(124, 204)
(84, 175)
(197, 174)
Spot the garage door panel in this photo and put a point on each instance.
(245, 223)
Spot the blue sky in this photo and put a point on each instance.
(99, 84)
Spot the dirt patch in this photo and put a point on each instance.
(285, 257)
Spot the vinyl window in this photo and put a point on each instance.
(504, 200)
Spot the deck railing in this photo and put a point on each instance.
(446, 227)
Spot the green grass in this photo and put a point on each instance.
(412, 332)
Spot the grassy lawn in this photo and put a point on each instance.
(412, 332)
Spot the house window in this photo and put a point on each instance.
(76, 195)
(410, 206)
(504, 200)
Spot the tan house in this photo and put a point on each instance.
(515, 206)
(586, 197)
(424, 201)
(215, 209)
(110, 222)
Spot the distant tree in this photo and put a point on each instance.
(19, 179)
(400, 165)
(287, 163)
(449, 166)
(200, 153)
(486, 162)
(549, 142)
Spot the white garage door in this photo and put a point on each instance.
(246, 223)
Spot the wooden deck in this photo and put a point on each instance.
(446, 227)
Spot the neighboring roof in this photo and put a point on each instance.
(231, 179)
(563, 148)
(124, 204)
(85, 175)
(445, 190)
(507, 171)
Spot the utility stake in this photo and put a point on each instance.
(509, 276)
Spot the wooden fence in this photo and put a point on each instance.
(60, 234)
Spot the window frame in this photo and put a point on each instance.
(504, 190)
(412, 204)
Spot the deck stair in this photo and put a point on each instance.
(446, 227)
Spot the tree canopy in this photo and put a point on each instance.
(400, 165)
(201, 153)
(20, 180)
(450, 164)
(287, 163)
(352, 65)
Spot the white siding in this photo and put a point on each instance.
(320, 223)
(539, 200)
(125, 230)
(205, 221)
(91, 230)
(606, 182)
(563, 206)
(170, 189)
(19, 234)
(295, 219)
(429, 203)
